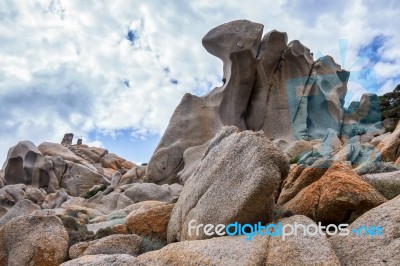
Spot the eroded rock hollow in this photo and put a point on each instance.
(269, 85)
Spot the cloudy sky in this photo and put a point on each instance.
(112, 72)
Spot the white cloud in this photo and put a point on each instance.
(65, 64)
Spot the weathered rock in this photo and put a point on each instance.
(33, 240)
(339, 196)
(268, 85)
(55, 149)
(85, 152)
(236, 181)
(149, 191)
(110, 202)
(21, 208)
(67, 139)
(388, 184)
(36, 195)
(113, 161)
(376, 168)
(375, 141)
(134, 175)
(26, 165)
(397, 162)
(298, 148)
(76, 232)
(95, 260)
(236, 250)
(78, 179)
(330, 144)
(390, 147)
(114, 244)
(11, 194)
(383, 249)
(152, 222)
(99, 151)
(54, 200)
(301, 177)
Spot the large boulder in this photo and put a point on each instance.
(236, 181)
(388, 184)
(33, 240)
(25, 164)
(150, 191)
(78, 179)
(378, 249)
(269, 85)
(390, 147)
(152, 222)
(297, 249)
(114, 244)
(115, 162)
(55, 149)
(339, 196)
(300, 177)
(23, 207)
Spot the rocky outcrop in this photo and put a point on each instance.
(33, 240)
(25, 164)
(115, 162)
(339, 196)
(382, 249)
(269, 85)
(236, 250)
(236, 181)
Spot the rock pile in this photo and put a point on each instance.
(273, 147)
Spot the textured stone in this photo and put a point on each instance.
(110, 202)
(149, 191)
(67, 139)
(301, 177)
(11, 194)
(33, 240)
(388, 184)
(112, 260)
(152, 222)
(372, 250)
(79, 179)
(114, 244)
(35, 195)
(390, 147)
(55, 149)
(54, 200)
(298, 148)
(26, 165)
(115, 162)
(236, 181)
(339, 196)
(21, 208)
(134, 175)
(236, 250)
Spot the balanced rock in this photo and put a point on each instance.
(25, 164)
(237, 180)
(269, 85)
